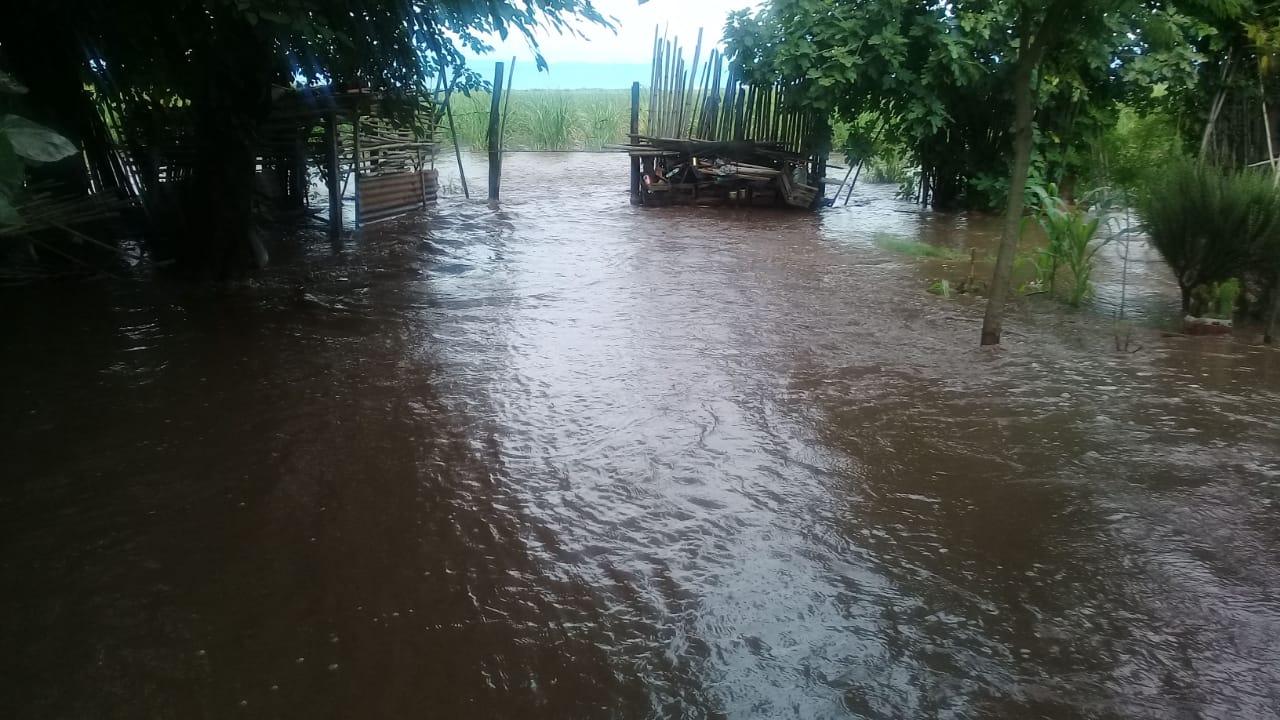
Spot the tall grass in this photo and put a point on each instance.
(547, 119)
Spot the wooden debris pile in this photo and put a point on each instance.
(708, 171)
(710, 133)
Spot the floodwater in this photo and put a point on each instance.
(575, 459)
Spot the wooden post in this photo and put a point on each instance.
(335, 191)
(298, 190)
(635, 130)
(355, 159)
(495, 135)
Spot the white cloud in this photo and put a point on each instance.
(633, 41)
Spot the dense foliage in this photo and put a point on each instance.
(938, 77)
(1138, 144)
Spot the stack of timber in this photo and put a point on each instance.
(710, 136)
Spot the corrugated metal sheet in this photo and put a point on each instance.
(379, 197)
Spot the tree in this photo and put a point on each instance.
(216, 61)
(1039, 25)
(989, 92)
(937, 76)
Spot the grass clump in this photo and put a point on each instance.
(1070, 230)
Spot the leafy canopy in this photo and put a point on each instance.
(939, 74)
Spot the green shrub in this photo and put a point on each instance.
(1070, 231)
(1208, 224)
(1224, 296)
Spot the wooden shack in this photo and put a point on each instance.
(375, 148)
(708, 137)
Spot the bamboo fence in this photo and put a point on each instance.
(709, 101)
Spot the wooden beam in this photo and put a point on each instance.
(495, 134)
(335, 187)
(355, 160)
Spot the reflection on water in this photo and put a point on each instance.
(572, 458)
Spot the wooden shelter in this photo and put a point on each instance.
(710, 137)
(385, 144)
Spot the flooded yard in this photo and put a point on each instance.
(572, 458)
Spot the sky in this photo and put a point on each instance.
(605, 59)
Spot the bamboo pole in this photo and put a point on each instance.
(1266, 128)
(693, 75)
(653, 83)
(453, 134)
(672, 71)
(1216, 107)
(700, 100)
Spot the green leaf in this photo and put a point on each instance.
(8, 213)
(34, 141)
(10, 86)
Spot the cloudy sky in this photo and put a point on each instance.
(632, 43)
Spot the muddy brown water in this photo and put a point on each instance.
(574, 459)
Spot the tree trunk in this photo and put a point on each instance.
(218, 204)
(993, 322)
(1273, 316)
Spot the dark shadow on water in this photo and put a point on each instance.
(248, 504)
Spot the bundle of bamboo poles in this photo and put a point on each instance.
(43, 210)
(710, 102)
(387, 147)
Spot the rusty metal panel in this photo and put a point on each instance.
(382, 196)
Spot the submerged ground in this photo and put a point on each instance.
(577, 459)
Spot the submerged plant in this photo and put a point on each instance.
(1070, 232)
(1216, 300)
(915, 248)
